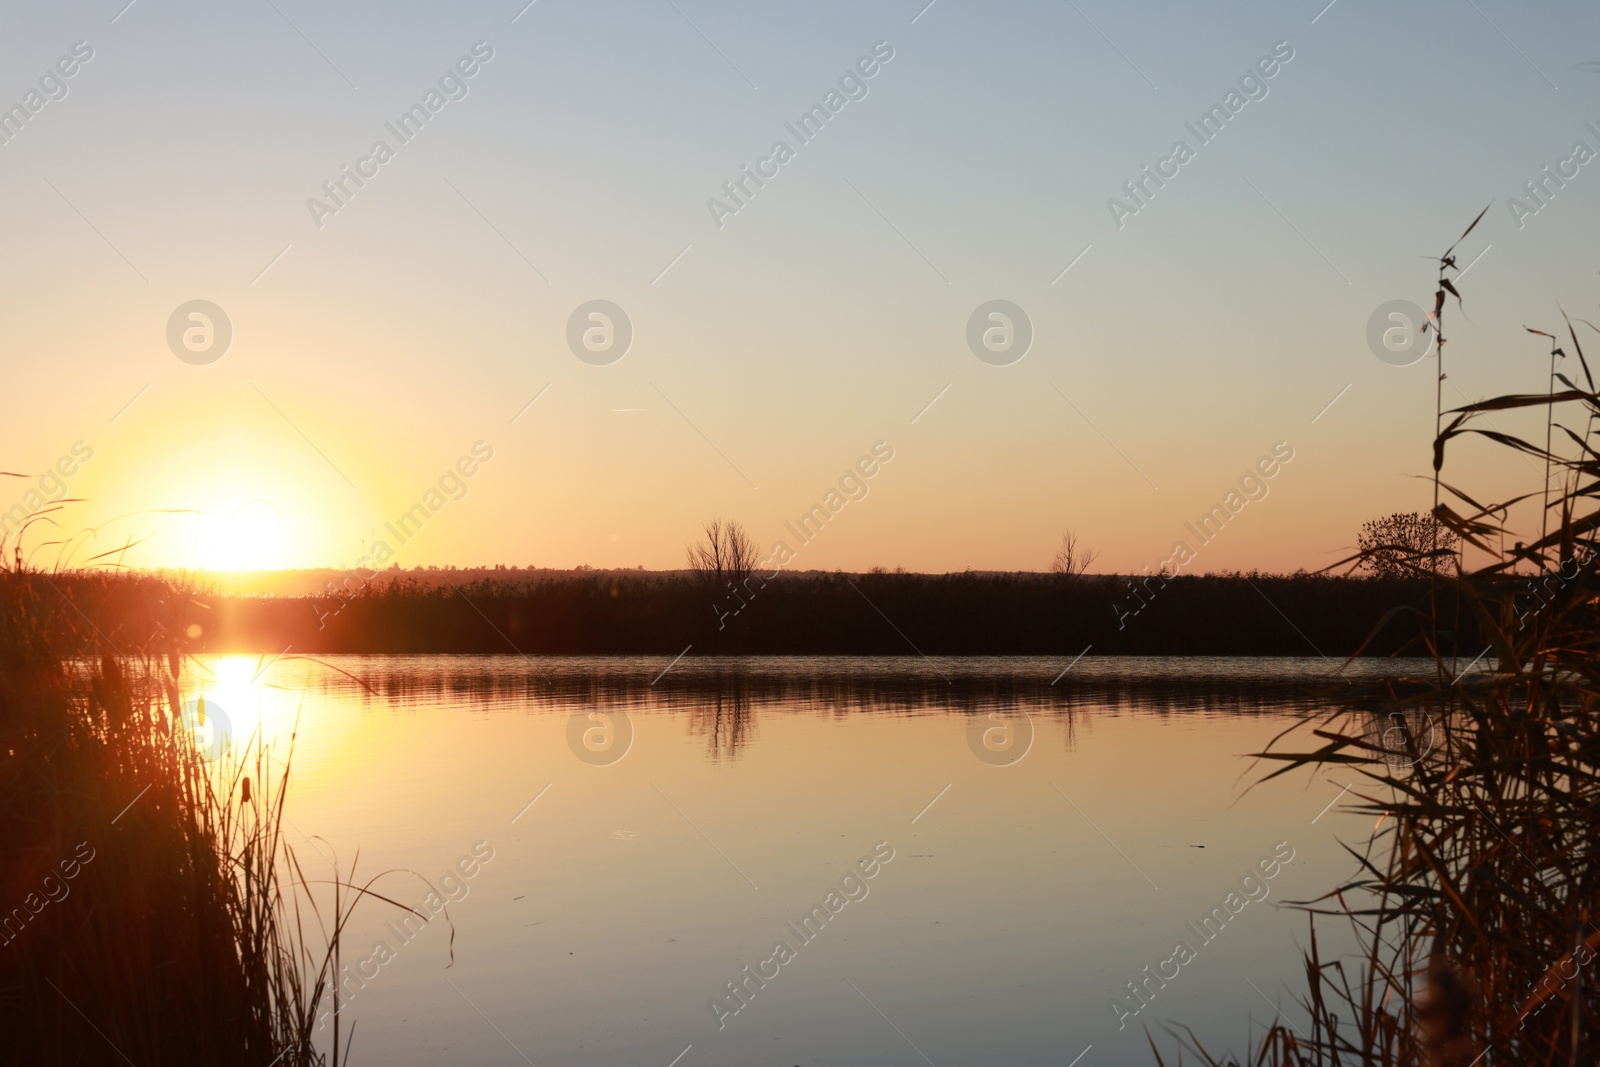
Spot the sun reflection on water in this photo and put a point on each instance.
(258, 702)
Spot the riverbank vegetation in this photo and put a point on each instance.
(811, 613)
(1475, 900)
(147, 911)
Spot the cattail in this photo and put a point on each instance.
(1446, 1014)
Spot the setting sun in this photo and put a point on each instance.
(253, 536)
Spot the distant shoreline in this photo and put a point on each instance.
(816, 613)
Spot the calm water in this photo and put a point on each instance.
(653, 834)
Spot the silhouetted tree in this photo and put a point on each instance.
(725, 555)
(1406, 543)
(1072, 560)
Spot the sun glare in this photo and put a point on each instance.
(225, 706)
(250, 537)
(231, 702)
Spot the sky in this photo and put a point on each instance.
(381, 333)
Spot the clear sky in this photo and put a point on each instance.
(374, 344)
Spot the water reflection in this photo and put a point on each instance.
(724, 718)
(723, 697)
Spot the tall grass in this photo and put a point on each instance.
(1474, 902)
(147, 915)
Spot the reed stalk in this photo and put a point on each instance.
(1474, 902)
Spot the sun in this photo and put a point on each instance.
(249, 537)
(223, 485)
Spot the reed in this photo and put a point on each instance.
(1474, 901)
(150, 909)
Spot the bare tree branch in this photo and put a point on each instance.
(1071, 560)
(725, 555)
